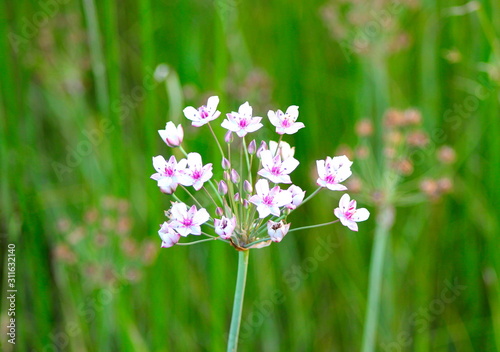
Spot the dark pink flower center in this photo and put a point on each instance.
(276, 170)
(203, 112)
(196, 174)
(286, 123)
(187, 222)
(268, 200)
(169, 171)
(330, 179)
(243, 123)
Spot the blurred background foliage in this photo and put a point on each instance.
(408, 89)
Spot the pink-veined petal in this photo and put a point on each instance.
(212, 104)
(361, 214)
(262, 187)
(352, 226)
(191, 113)
(201, 216)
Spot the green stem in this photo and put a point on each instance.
(196, 242)
(247, 160)
(216, 140)
(232, 343)
(384, 223)
(314, 226)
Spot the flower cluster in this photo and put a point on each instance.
(254, 196)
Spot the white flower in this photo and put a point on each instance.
(274, 169)
(168, 172)
(277, 230)
(186, 221)
(332, 171)
(172, 135)
(285, 122)
(168, 235)
(204, 114)
(348, 214)
(225, 226)
(196, 174)
(297, 196)
(242, 121)
(269, 201)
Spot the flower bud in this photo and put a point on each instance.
(237, 197)
(226, 165)
(219, 211)
(246, 203)
(247, 186)
(227, 177)
(252, 146)
(235, 177)
(263, 146)
(172, 135)
(228, 138)
(222, 188)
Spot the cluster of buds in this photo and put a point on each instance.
(249, 202)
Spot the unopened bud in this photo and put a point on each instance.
(237, 197)
(222, 188)
(235, 177)
(246, 203)
(252, 146)
(247, 186)
(219, 211)
(225, 164)
(263, 146)
(228, 138)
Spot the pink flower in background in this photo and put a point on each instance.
(274, 169)
(348, 214)
(196, 174)
(277, 230)
(186, 221)
(332, 171)
(204, 114)
(168, 235)
(297, 196)
(168, 172)
(225, 227)
(242, 121)
(285, 122)
(172, 135)
(269, 201)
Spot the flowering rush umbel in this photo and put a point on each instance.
(247, 205)
(247, 202)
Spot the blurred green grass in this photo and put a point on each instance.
(91, 62)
